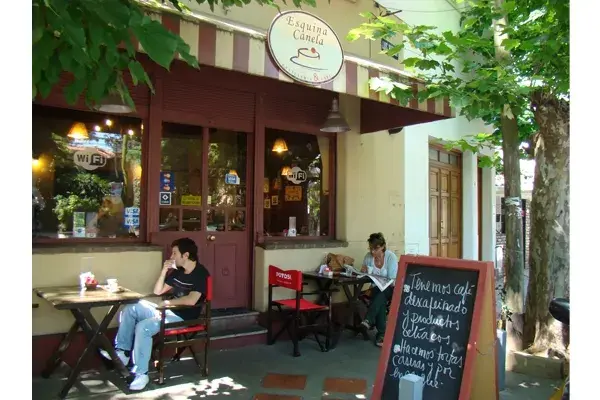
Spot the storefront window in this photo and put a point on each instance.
(296, 185)
(86, 175)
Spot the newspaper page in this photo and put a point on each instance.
(381, 282)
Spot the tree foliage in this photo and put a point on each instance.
(462, 65)
(94, 42)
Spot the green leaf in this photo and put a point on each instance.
(510, 44)
(137, 72)
(158, 42)
(410, 62)
(74, 90)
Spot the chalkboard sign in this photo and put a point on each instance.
(432, 329)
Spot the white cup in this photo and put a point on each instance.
(113, 285)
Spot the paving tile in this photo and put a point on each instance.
(270, 396)
(282, 381)
(345, 385)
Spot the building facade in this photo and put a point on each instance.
(209, 155)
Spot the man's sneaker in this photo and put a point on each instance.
(366, 325)
(379, 341)
(140, 382)
(120, 353)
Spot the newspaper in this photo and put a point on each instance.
(381, 282)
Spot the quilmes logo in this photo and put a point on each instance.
(89, 159)
(283, 275)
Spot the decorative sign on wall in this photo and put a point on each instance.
(164, 198)
(274, 200)
(266, 185)
(293, 193)
(305, 47)
(296, 175)
(166, 181)
(267, 203)
(89, 159)
(191, 200)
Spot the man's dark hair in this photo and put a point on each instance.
(377, 240)
(186, 245)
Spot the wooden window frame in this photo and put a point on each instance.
(261, 147)
(143, 195)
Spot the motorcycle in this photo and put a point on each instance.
(559, 309)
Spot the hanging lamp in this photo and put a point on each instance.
(335, 121)
(280, 146)
(78, 131)
(114, 104)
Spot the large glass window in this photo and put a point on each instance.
(86, 175)
(296, 184)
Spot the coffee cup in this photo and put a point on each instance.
(113, 285)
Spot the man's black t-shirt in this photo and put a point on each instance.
(183, 284)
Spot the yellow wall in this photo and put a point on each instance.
(135, 270)
(342, 15)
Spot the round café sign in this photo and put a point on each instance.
(305, 47)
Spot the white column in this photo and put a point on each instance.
(470, 235)
(488, 214)
(415, 190)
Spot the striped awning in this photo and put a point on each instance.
(234, 47)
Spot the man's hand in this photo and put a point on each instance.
(165, 303)
(167, 265)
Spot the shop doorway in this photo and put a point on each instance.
(204, 180)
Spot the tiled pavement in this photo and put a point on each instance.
(267, 373)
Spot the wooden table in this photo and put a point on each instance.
(325, 282)
(79, 303)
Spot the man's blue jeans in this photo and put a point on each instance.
(137, 324)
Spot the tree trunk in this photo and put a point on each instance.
(513, 257)
(549, 243)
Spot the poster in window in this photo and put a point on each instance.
(276, 183)
(267, 203)
(293, 193)
(274, 200)
(266, 185)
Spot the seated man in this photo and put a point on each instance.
(139, 322)
(379, 261)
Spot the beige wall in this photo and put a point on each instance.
(135, 270)
(342, 15)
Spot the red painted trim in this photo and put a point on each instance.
(207, 43)
(431, 106)
(241, 52)
(447, 108)
(448, 263)
(154, 154)
(351, 78)
(332, 186)
(259, 169)
(492, 289)
(414, 101)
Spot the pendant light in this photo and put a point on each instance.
(78, 131)
(285, 171)
(114, 104)
(280, 146)
(335, 121)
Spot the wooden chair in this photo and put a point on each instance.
(184, 335)
(294, 308)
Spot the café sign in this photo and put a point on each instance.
(305, 47)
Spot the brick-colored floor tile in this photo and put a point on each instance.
(345, 385)
(267, 396)
(282, 381)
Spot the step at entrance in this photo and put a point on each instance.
(235, 327)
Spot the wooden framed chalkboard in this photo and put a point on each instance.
(433, 327)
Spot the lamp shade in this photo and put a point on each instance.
(114, 104)
(280, 146)
(78, 131)
(285, 171)
(335, 121)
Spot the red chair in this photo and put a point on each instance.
(294, 308)
(184, 335)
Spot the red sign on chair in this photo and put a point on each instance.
(287, 279)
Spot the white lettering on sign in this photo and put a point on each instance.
(89, 159)
(305, 47)
(296, 175)
(283, 276)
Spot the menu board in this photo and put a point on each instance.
(433, 325)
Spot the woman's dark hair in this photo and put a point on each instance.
(377, 240)
(187, 245)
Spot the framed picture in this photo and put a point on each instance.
(267, 203)
(293, 193)
(274, 200)
(266, 185)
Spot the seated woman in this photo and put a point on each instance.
(379, 261)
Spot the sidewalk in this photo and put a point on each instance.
(267, 373)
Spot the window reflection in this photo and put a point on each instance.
(86, 174)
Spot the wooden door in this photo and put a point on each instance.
(445, 204)
(206, 171)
